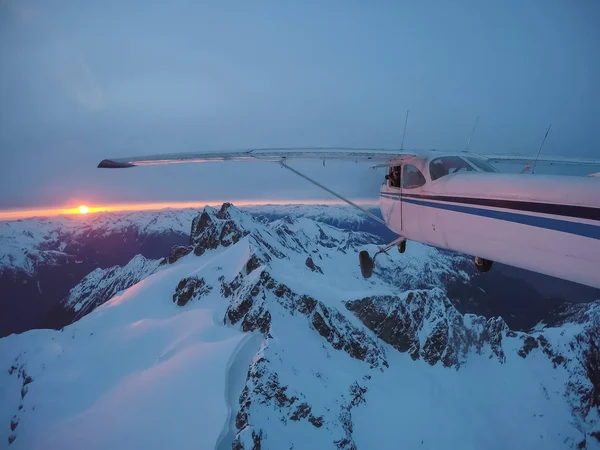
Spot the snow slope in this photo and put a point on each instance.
(266, 336)
(101, 285)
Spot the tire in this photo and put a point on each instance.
(366, 264)
(483, 265)
(402, 246)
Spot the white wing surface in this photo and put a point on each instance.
(266, 154)
(552, 160)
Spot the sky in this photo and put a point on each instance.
(81, 81)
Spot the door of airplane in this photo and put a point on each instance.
(395, 183)
(412, 183)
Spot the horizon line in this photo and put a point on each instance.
(41, 213)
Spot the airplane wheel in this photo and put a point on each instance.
(483, 265)
(402, 246)
(366, 264)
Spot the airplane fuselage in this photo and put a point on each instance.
(544, 223)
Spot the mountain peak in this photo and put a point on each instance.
(212, 229)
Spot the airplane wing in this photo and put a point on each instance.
(265, 154)
(552, 160)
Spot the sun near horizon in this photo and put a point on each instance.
(83, 209)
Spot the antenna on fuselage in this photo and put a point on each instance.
(472, 133)
(404, 133)
(540, 150)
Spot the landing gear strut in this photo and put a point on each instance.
(367, 264)
(483, 265)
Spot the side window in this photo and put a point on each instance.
(412, 178)
(447, 165)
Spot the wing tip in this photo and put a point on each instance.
(110, 164)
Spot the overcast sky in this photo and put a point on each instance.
(84, 80)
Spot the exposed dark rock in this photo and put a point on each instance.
(399, 322)
(211, 230)
(253, 263)
(11, 438)
(264, 386)
(301, 412)
(530, 343)
(312, 266)
(319, 323)
(357, 392)
(556, 358)
(189, 288)
(204, 234)
(399, 333)
(307, 305)
(282, 290)
(436, 343)
(235, 314)
(241, 420)
(596, 435)
(14, 423)
(256, 438)
(329, 323)
(231, 233)
(23, 392)
(272, 250)
(227, 289)
(260, 320)
(26, 378)
(316, 421)
(179, 251)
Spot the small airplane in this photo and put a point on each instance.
(459, 201)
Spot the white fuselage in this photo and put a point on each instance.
(545, 223)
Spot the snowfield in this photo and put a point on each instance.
(266, 336)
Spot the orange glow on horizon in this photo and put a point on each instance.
(7, 215)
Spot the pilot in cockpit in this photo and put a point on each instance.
(394, 177)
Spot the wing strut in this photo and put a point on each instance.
(316, 183)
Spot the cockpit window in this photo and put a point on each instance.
(394, 176)
(447, 165)
(412, 177)
(482, 164)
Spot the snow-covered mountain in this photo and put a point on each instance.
(101, 285)
(41, 260)
(26, 244)
(339, 216)
(265, 335)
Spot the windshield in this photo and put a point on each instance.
(482, 164)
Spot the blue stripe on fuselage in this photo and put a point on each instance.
(580, 229)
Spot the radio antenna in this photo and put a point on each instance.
(404, 133)
(472, 133)
(540, 150)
